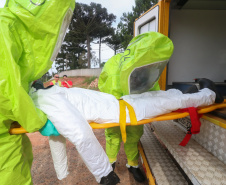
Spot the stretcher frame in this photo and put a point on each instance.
(17, 129)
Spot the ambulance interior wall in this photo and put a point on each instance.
(199, 38)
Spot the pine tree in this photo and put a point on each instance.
(91, 21)
(114, 42)
(127, 20)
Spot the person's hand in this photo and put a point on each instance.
(49, 129)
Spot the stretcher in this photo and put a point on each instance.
(17, 129)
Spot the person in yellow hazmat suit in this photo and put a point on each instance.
(31, 32)
(135, 71)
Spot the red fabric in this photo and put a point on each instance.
(65, 85)
(186, 139)
(195, 123)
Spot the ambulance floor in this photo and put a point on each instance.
(43, 172)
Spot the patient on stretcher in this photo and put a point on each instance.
(81, 106)
(100, 107)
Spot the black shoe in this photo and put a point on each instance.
(137, 174)
(110, 179)
(113, 166)
(206, 83)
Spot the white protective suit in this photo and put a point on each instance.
(70, 110)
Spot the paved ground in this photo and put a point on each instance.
(43, 172)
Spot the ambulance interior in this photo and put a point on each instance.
(197, 30)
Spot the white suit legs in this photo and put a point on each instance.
(71, 124)
(58, 150)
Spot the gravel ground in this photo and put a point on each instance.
(43, 172)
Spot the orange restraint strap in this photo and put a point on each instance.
(195, 123)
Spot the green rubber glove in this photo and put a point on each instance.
(49, 129)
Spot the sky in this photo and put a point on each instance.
(2, 3)
(117, 7)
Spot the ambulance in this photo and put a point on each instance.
(198, 31)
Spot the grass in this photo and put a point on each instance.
(94, 88)
(89, 80)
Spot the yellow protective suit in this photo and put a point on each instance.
(114, 139)
(135, 71)
(31, 33)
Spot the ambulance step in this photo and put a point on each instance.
(200, 165)
(163, 168)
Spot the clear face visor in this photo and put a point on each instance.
(144, 78)
(63, 29)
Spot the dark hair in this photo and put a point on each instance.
(38, 84)
(65, 75)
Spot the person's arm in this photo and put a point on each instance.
(69, 83)
(63, 84)
(16, 104)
